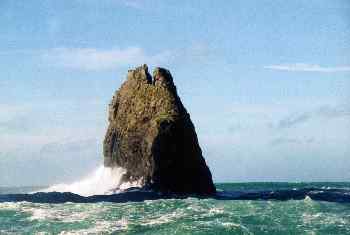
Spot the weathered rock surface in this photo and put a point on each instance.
(151, 135)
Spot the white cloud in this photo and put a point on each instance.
(93, 59)
(302, 67)
(90, 59)
(10, 111)
(136, 4)
(132, 3)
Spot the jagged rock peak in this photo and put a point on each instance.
(140, 73)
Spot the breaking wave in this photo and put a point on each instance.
(103, 181)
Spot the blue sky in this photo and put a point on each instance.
(267, 83)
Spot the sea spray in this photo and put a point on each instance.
(104, 180)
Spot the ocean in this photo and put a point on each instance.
(240, 208)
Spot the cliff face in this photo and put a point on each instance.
(151, 135)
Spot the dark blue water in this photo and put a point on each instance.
(331, 192)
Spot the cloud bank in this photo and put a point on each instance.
(328, 112)
(92, 59)
(95, 59)
(302, 67)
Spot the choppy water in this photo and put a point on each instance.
(184, 216)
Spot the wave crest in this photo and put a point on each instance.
(103, 181)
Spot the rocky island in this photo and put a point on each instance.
(151, 135)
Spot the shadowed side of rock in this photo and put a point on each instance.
(151, 135)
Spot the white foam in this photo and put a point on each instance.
(12, 205)
(125, 185)
(57, 213)
(100, 227)
(167, 218)
(216, 210)
(104, 180)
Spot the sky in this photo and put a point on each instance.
(267, 83)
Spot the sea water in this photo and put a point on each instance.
(176, 216)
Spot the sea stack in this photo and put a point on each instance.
(151, 135)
